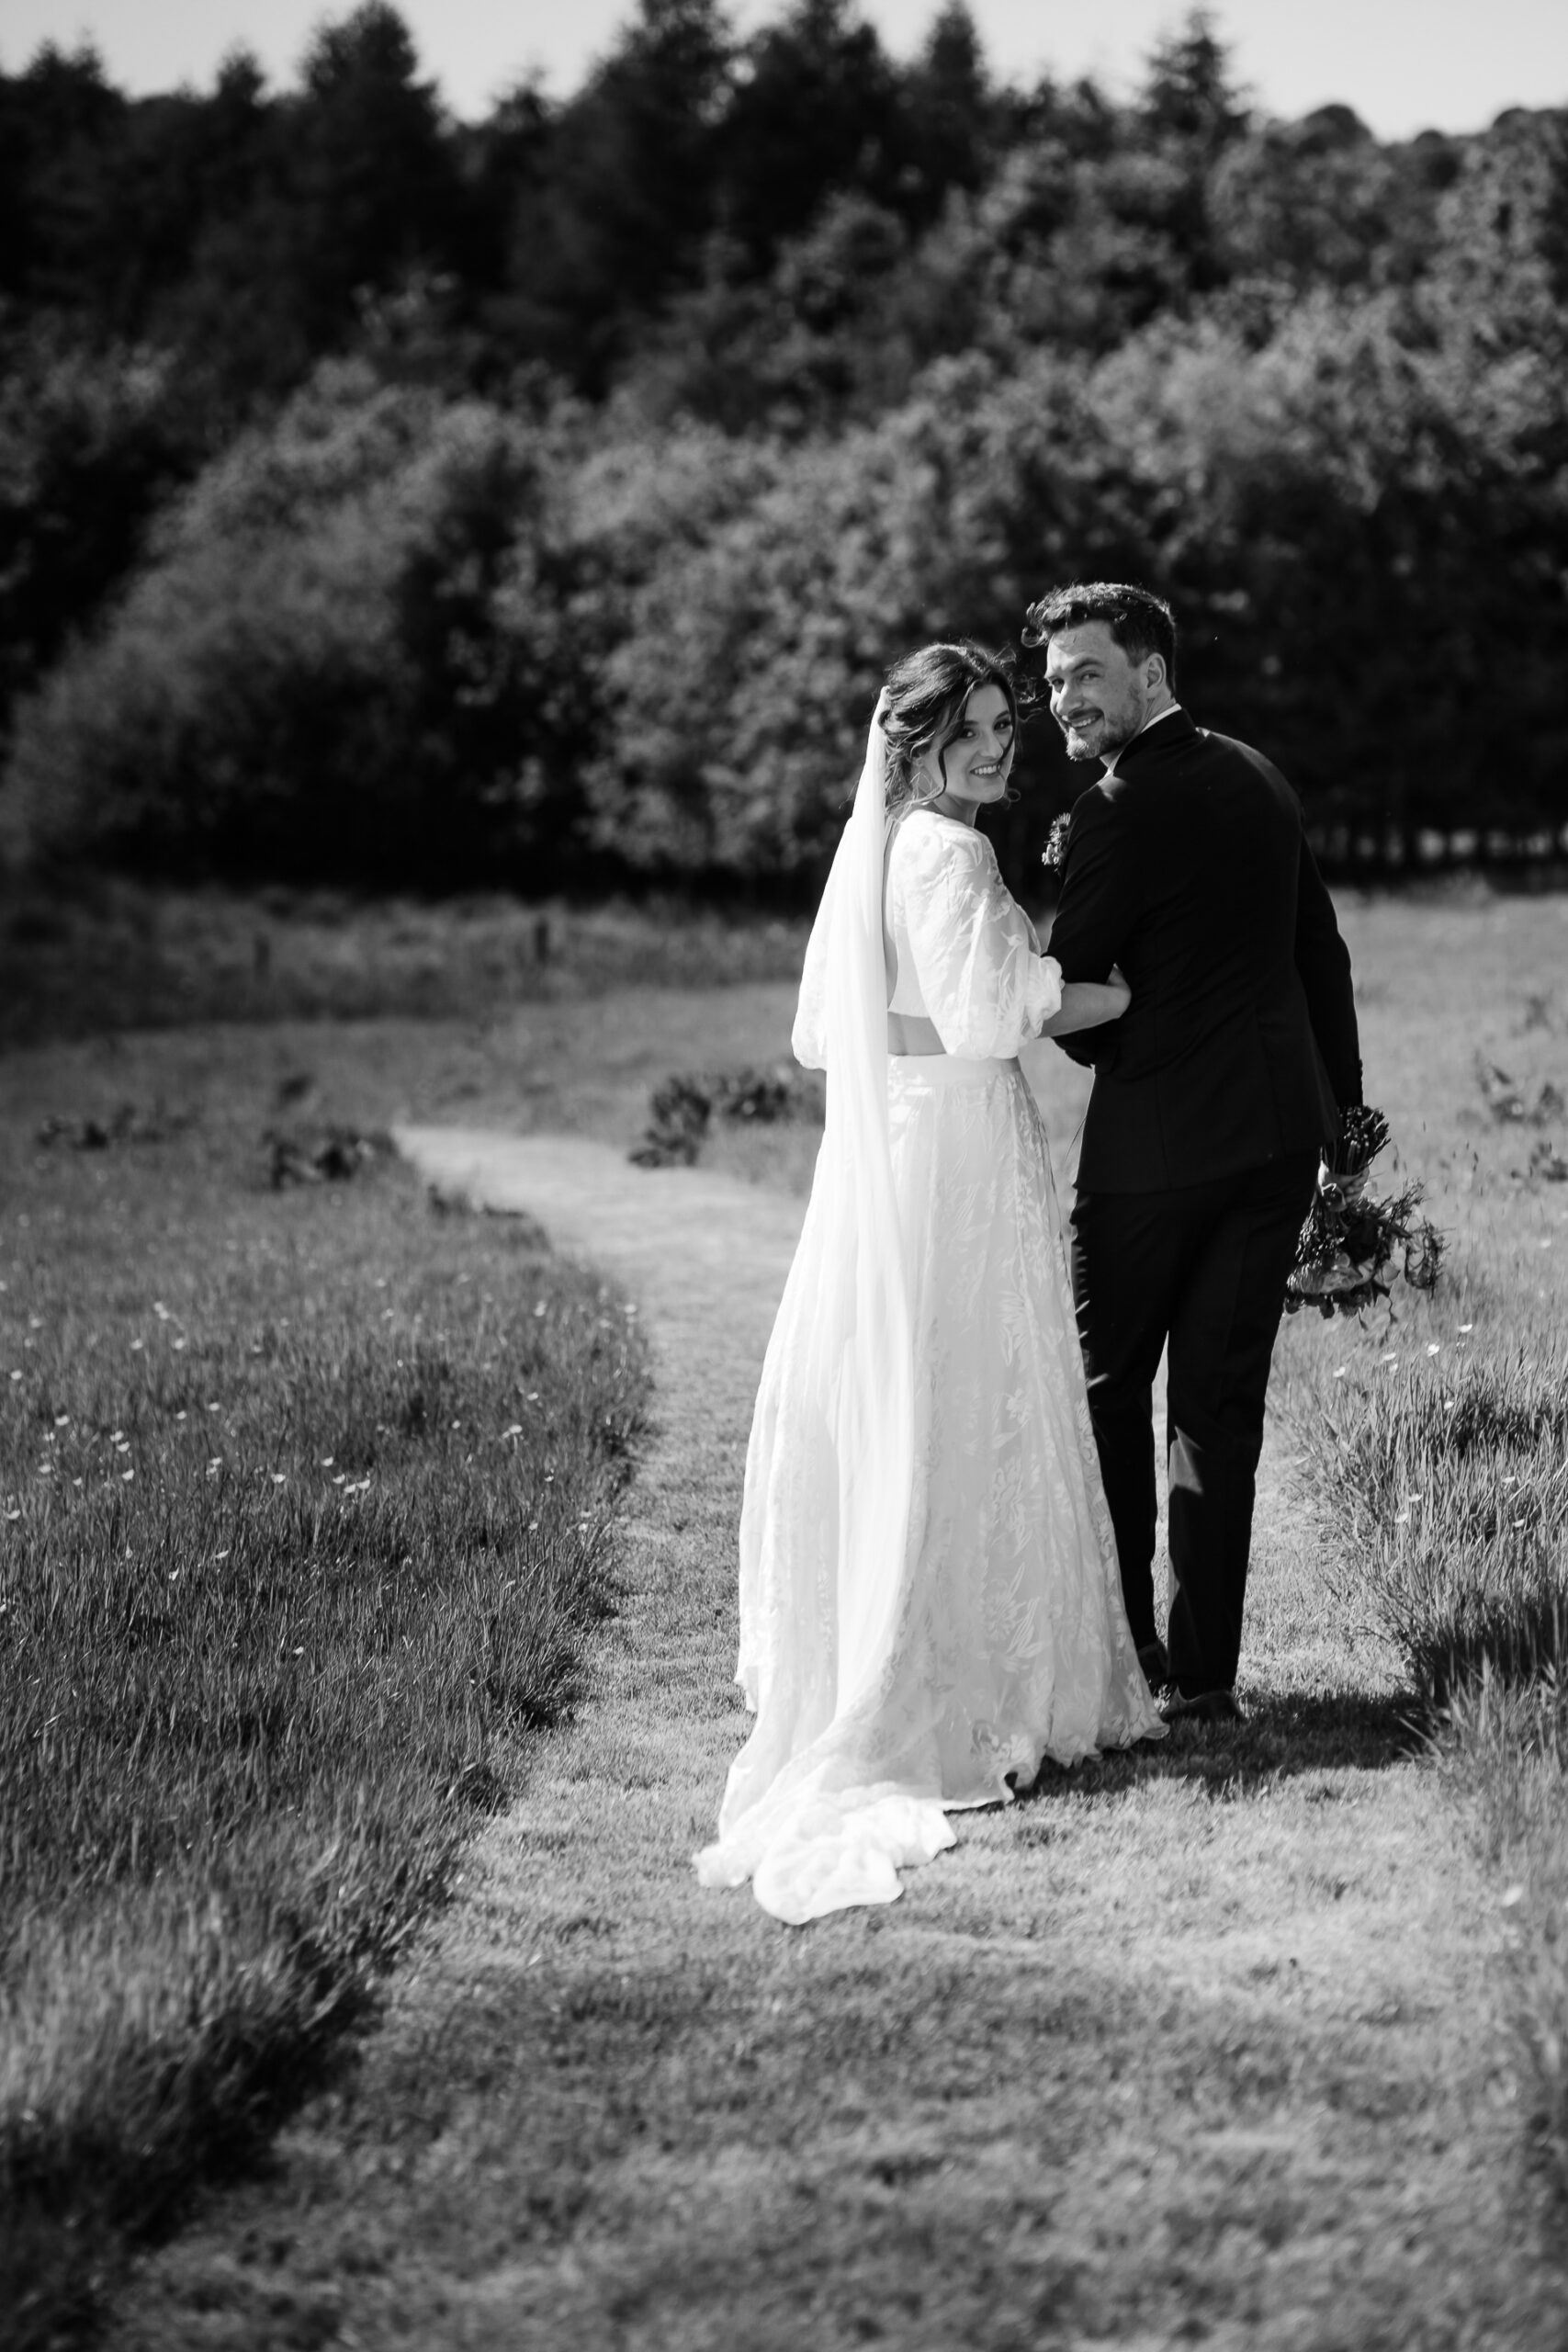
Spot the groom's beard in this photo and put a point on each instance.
(1102, 737)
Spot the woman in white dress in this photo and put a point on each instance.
(930, 1600)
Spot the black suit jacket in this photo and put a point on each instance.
(1189, 867)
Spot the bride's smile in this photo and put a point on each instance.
(972, 766)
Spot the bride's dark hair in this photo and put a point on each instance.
(925, 694)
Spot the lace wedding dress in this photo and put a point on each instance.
(930, 1600)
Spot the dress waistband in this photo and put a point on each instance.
(906, 1071)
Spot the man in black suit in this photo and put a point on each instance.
(1185, 865)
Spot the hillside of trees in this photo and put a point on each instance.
(390, 499)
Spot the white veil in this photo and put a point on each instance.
(833, 1791)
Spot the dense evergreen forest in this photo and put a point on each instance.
(393, 499)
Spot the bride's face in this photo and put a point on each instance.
(972, 766)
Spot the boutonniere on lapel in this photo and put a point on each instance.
(1055, 849)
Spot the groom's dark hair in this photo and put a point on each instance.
(1140, 622)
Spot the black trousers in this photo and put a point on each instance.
(1203, 1268)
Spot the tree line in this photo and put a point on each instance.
(395, 498)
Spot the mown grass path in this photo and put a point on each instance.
(1198, 2047)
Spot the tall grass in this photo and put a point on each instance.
(1506, 1748)
(305, 1502)
(1443, 1484)
(107, 953)
(1447, 1491)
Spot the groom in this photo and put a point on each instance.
(1187, 866)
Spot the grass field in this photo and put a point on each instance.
(1332, 1672)
(306, 1506)
(109, 956)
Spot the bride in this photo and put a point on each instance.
(930, 1600)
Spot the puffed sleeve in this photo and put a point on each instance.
(986, 985)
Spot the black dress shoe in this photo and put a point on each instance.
(1201, 1707)
(1152, 1657)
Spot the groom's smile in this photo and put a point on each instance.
(1098, 696)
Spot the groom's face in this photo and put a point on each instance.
(1098, 696)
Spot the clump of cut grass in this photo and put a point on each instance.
(1447, 1491)
(305, 1501)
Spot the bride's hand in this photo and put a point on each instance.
(1116, 978)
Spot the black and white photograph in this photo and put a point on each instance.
(783, 1176)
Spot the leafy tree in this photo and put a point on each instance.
(1190, 113)
(371, 187)
(349, 657)
(1187, 95)
(817, 113)
(90, 443)
(1319, 202)
(58, 117)
(617, 219)
(952, 116)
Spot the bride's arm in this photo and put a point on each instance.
(1087, 1004)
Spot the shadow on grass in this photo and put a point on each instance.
(1280, 1738)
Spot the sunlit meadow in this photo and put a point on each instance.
(306, 1500)
(307, 1495)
